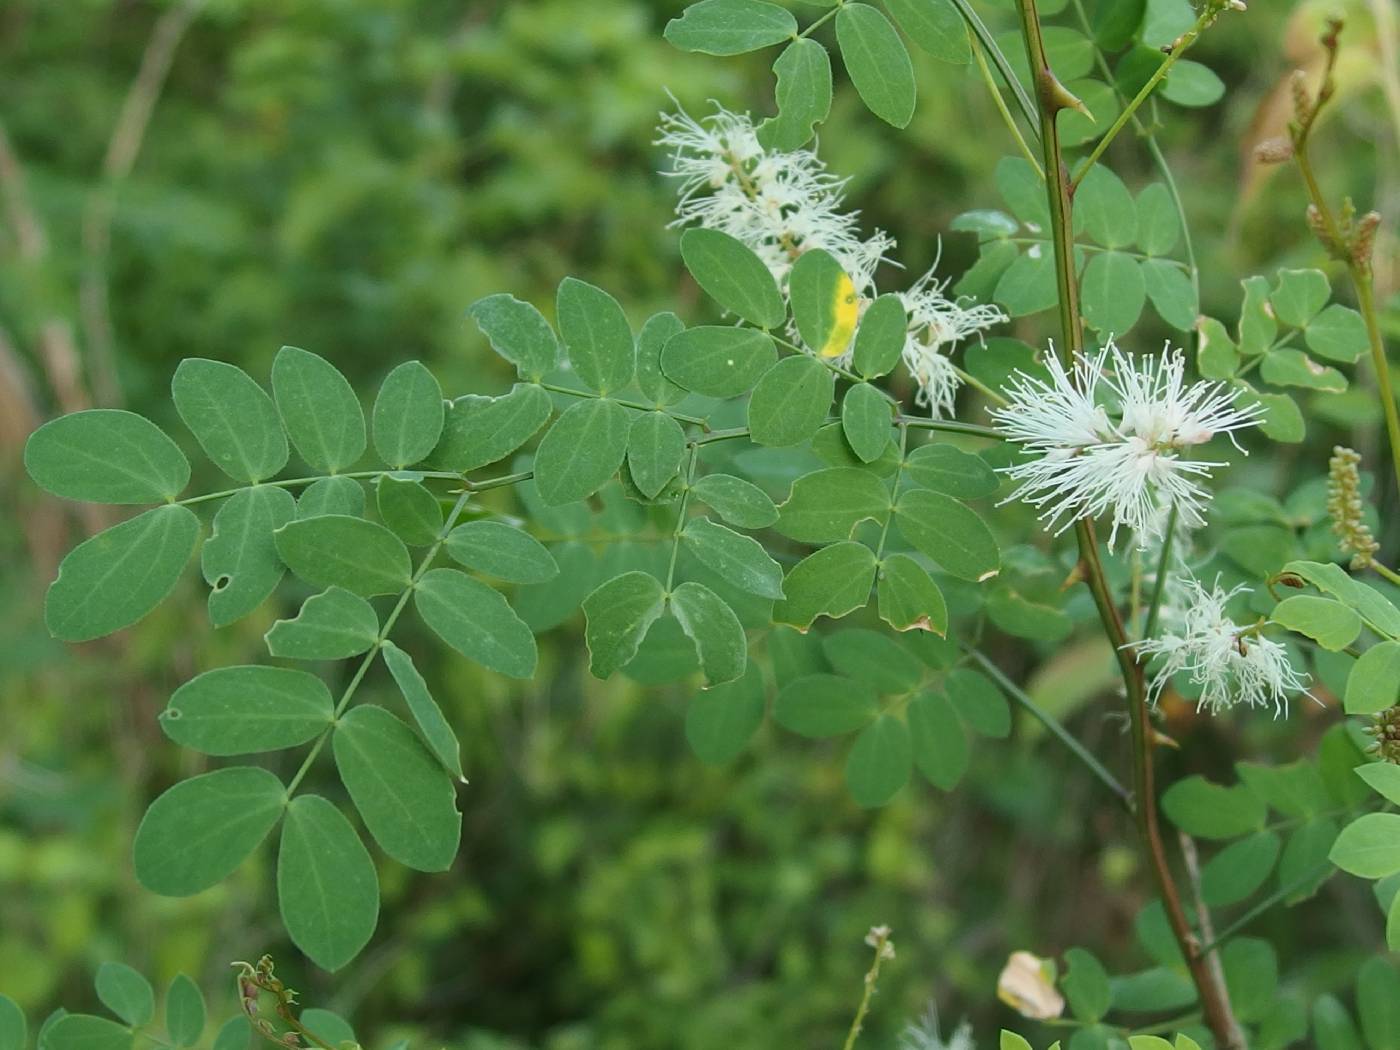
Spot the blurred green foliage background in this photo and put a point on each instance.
(347, 176)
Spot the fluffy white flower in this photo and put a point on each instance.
(925, 1034)
(1129, 462)
(779, 204)
(936, 324)
(1230, 664)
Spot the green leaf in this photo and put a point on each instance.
(980, 703)
(877, 62)
(940, 746)
(1011, 1041)
(1172, 294)
(717, 361)
(865, 420)
(319, 409)
(1338, 333)
(184, 1011)
(1211, 811)
(880, 338)
(480, 430)
(1369, 846)
(875, 658)
(1251, 976)
(1374, 682)
(336, 550)
(1333, 1027)
(1104, 209)
(331, 1026)
(880, 762)
(243, 710)
(1027, 286)
(1299, 295)
(105, 455)
(1383, 777)
(651, 380)
(822, 705)
(1216, 354)
(1305, 866)
(830, 582)
(596, 336)
(437, 732)
(949, 533)
(1114, 292)
(1295, 790)
(1116, 22)
(1192, 84)
(502, 551)
(732, 275)
(736, 500)
(121, 574)
(85, 1032)
(1085, 985)
(1292, 367)
(1331, 624)
(327, 889)
(710, 623)
(408, 415)
(908, 597)
(231, 417)
(655, 448)
(235, 1034)
(826, 504)
(332, 625)
(407, 801)
(412, 513)
(790, 402)
(803, 94)
(740, 560)
(336, 495)
(581, 451)
(722, 719)
(13, 1029)
(1283, 419)
(1258, 328)
(1378, 1003)
(239, 559)
(951, 471)
(1239, 869)
(476, 621)
(619, 614)
(1158, 224)
(730, 27)
(126, 993)
(1378, 612)
(196, 833)
(825, 306)
(934, 25)
(519, 333)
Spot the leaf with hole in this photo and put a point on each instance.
(239, 560)
(803, 95)
(244, 710)
(831, 582)
(519, 333)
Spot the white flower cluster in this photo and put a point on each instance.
(1231, 665)
(1128, 465)
(781, 204)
